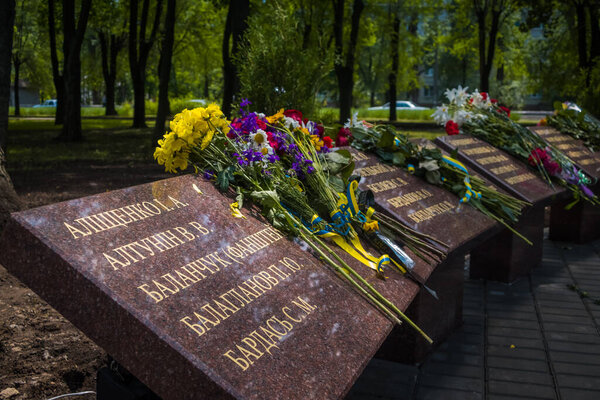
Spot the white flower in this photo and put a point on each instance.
(354, 122)
(441, 114)
(479, 102)
(463, 116)
(457, 96)
(259, 138)
(290, 123)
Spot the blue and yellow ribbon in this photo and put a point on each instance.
(470, 192)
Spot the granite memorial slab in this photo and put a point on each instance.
(579, 223)
(506, 257)
(192, 301)
(427, 208)
(436, 212)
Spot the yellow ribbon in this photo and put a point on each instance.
(235, 210)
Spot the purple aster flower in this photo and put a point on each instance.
(208, 174)
(310, 169)
(273, 158)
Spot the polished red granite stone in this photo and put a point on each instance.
(131, 286)
(575, 149)
(500, 168)
(422, 206)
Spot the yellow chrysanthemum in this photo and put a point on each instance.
(275, 117)
(189, 128)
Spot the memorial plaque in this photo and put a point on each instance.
(499, 168)
(194, 302)
(420, 205)
(580, 223)
(506, 257)
(575, 149)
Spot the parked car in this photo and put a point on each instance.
(400, 105)
(47, 103)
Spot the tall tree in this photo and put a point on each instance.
(493, 12)
(8, 199)
(395, 14)
(73, 33)
(235, 27)
(110, 24)
(164, 71)
(57, 75)
(344, 60)
(139, 50)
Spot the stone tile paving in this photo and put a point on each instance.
(533, 339)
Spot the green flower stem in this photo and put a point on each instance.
(370, 287)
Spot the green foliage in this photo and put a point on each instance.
(275, 70)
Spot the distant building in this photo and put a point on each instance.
(28, 95)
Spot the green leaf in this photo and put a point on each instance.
(433, 177)
(268, 198)
(429, 165)
(240, 197)
(386, 140)
(337, 183)
(399, 159)
(224, 178)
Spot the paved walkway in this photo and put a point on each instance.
(533, 339)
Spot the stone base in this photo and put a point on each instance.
(437, 318)
(505, 257)
(580, 224)
(116, 383)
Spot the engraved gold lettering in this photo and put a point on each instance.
(478, 150)
(491, 159)
(430, 212)
(520, 178)
(374, 170)
(409, 198)
(503, 169)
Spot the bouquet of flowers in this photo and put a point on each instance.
(482, 117)
(570, 119)
(283, 164)
(437, 169)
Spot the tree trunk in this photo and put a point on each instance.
(164, 72)
(109, 49)
(57, 78)
(484, 84)
(595, 30)
(9, 201)
(235, 28)
(139, 50)
(17, 67)
(73, 38)
(394, 71)
(344, 70)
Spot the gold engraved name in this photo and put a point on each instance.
(587, 161)
(557, 139)
(359, 156)
(575, 154)
(566, 146)
(266, 337)
(181, 278)
(463, 142)
(502, 170)
(430, 212)
(123, 216)
(409, 198)
(478, 150)
(374, 170)
(545, 131)
(387, 185)
(491, 160)
(230, 302)
(520, 178)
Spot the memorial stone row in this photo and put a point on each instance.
(197, 303)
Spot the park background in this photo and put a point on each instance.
(120, 69)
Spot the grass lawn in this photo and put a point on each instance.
(32, 144)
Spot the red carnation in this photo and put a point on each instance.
(494, 101)
(261, 124)
(506, 110)
(538, 156)
(327, 141)
(342, 141)
(452, 128)
(293, 114)
(344, 132)
(552, 167)
(484, 95)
